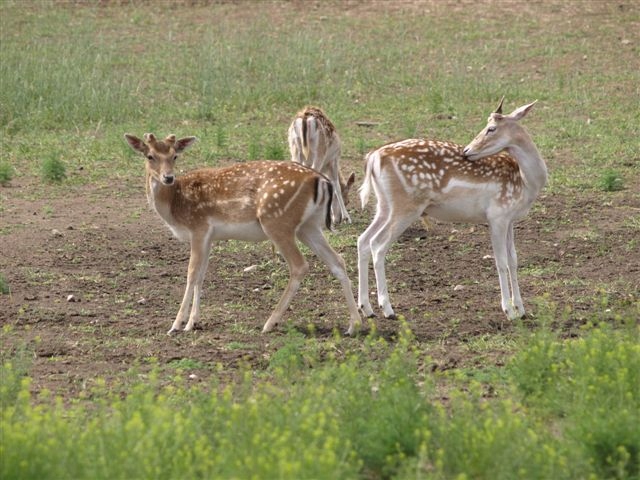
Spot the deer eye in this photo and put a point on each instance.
(150, 157)
(491, 129)
(175, 157)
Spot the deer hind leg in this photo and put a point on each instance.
(499, 234)
(198, 261)
(395, 224)
(512, 258)
(364, 255)
(315, 240)
(298, 268)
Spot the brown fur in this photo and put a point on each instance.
(277, 201)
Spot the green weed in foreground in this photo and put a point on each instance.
(592, 384)
(356, 418)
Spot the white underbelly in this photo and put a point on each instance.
(248, 232)
(460, 212)
(461, 201)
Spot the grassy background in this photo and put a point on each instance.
(75, 76)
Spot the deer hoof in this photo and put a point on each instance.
(367, 312)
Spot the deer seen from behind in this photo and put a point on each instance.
(254, 201)
(314, 142)
(494, 180)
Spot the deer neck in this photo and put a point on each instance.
(161, 197)
(532, 167)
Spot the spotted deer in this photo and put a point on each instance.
(253, 201)
(493, 180)
(314, 142)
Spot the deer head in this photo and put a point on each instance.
(501, 132)
(161, 155)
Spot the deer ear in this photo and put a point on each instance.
(137, 144)
(351, 180)
(520, 112)
(184, 143)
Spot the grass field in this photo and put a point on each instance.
(93, 389)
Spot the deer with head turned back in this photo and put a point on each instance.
(314, 142)
(493, 180)
(254, 201)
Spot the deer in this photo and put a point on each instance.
(314, 142)
(253, 201)
(493, 180)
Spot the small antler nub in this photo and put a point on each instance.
(499, 109)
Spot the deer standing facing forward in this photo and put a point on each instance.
(255, 201)
(314, 142)
(475, 184)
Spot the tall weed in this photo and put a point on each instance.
(370, 415)
(590, 384)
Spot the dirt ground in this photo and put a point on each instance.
(96, 280)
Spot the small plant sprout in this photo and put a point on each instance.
(6, 173)
(53, 169)
(611, 181)
(4, 285)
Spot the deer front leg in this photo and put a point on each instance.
(339, 210)
(499, 243)
(512, 258)
(195, 277)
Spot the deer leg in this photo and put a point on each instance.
(316, 241)
(364, 255)
(195, 276)
(499, 243)
(339, 209)
(298, 268)
(197, 289)
(512, 258)
(380, 244)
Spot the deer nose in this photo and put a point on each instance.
(466, 150)
(168, 179)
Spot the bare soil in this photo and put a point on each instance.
(96, 279)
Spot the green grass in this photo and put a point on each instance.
(85, 75)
